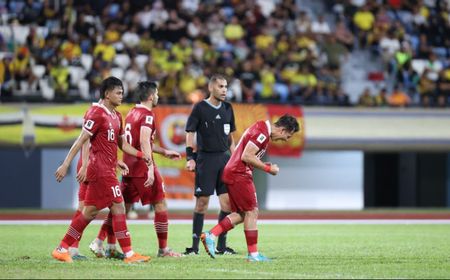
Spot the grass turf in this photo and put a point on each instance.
(298, 251)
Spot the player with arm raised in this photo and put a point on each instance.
(238, 176)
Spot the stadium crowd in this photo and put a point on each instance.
(286, 54)
(411, 39)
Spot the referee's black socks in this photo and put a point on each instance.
(197, 227)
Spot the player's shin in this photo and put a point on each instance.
(222, 240)
(122, 234)
(161, 227)
(223, 227)
(74, 232)
(251, 236)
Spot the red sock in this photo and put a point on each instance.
(106, 227)
(107, 230)
(76, 243)
(111, 236)
(121, 232)
(161, 228)
(75, 231)
(251, 236)
(224, 226)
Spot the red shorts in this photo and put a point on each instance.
(82, 192)
(242, 193)
(133, 189)
(103, 192)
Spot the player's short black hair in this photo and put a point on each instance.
(216, 77)
(288, 122)
(145, 89)
(109, 84)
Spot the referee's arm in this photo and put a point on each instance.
(190, 164)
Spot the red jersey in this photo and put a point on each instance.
(105, 128)
(138, 117)
(258, 134)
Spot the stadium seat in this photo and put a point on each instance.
(141, 60)
(375, 76)
(117, 72)
(6, 31)
(122, 61)
(20, 33)
(83, 87)
(86, 61)
(42, 31)
(47, 91)
(38, 70)
(419, 65)
(76, 74)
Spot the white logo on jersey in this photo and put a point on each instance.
(218, 117)
(149, 119)
(89, 124)
(226, 128)
(198, 189)
(261, 138)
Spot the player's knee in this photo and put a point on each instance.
(201, 207)
(89, 214)
(117, 209)
(202, 204)
(160, 206)
(253, 214)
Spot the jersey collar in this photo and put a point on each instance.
(142, 106)
(103, 107)
(269, 127)
(215, 107)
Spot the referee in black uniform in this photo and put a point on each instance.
(212, 121)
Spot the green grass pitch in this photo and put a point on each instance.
(298, 251)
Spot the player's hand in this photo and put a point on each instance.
(172, 154)
(150, 176)
(190, 165)
(82, 174)
(274, 169)
(61, 172)
(147, 159)
(123, 168)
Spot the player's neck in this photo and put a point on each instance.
(213, 101)
(148, 105)
(109, 105)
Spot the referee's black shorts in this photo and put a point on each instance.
(208, 173)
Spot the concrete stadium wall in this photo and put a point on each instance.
(318, 180)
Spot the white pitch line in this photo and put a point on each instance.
(263, 222)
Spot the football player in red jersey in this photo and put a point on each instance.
(238, 177)
(103, 127)
(144, 182)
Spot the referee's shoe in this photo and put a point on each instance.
(190, 251)
(226, 251)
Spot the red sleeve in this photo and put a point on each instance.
(148, 120)
(92, 122)
(259, 138)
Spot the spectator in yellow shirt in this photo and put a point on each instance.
(364, 21)
(233, 31)
(105, 50)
